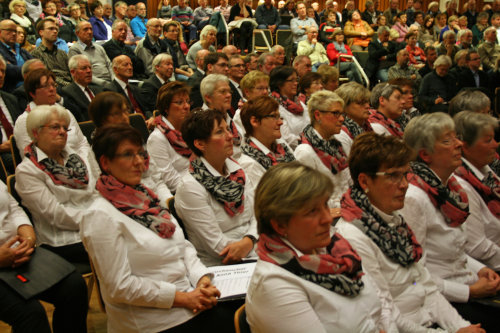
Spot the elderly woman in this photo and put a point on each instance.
(357, 111)
(357, 32)
(283, 83)
(213, 199)
(113, 108)
(307, 275)
(470, 100)
(101, 26)
(165, 144)
(346, 66)
(208, 36)
(438, 87)
(18, 10)
(386, 244)
(311, 48)
(150, 277)
(477, 132)
(319, 149)
(262, 148)
(75, 14)
(41, 87)
(56, 184)
(69, 294)
(436, 208)
(416, 54)
(400, 26)
(66, 29)
(216, 95)
(479, 27)
(253, 85)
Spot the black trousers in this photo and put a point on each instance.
(245, 36)
(477, 313)
(218, 319)
(69, 297)
(75, 254)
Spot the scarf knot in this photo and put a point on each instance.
(353, 129)
(280, 154)
(393, 127)
(290, 105)
(174, 137)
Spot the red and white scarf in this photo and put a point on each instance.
(174, 137)
(290, 105)
(393, 127)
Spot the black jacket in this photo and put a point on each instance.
(77, 102)
(13, 71)
(149, 91)
(115, 86)
(114, 48)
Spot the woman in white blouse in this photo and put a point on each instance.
(56, 184)
(308, 278)
(436, 208)
(165, 144)
(389, 250)
(283, 83)
(318, 147)
(69, 295)
(262, 148)
(477, 132)
(213, 200)
(150, 277)
(357, 109)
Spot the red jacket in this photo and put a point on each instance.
(333, 54)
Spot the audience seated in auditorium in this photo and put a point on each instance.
(388, 104)
(151, 45)
(163, 70)
(101, 26)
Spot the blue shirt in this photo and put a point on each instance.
(17, 51)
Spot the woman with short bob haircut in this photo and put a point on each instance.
(357, 110)
(470, 100)
(436, 208)
(389, 250)
(263, 147)
(283, 83)
(308, 85)
(214, 199)
(165, 144)
(307, 275)
(477, 132)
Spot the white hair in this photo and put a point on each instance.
(40, 116)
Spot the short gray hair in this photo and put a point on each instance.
(382, 29)
(204, 32)
(75, 60)
(262, 58)
(460, 54)
(275, 48)
(115, 24)
(489, 29)
(322, 100)
(471, 125)
(299, 59)
(208, 84)
(422, 132)
(384, 90)
(26, 66)
(449, 33)
(442, 60)
(159, 59)
(469, 100)
(40, 116)
(462, 32)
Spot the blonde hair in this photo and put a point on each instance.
(322, 100)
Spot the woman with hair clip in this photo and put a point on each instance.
(436, 208)
(263, 146)
(387, 246)
(308, 278)
(318, 147)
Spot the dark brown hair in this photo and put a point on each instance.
(103, 103)
(167, 93)
(32, 81)
(258, 108)
(198, 125)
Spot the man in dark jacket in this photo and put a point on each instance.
(381, 55)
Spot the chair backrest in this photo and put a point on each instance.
(171, 208)
(3, 172)
(282, 36)
(262, 40)
(102, 306)
(137, 121)
(362, 57)
(16, 158)
(87, 128)
(240, 321)
(497, 101)
(11, 186)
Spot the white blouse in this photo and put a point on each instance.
(280, 301)
(164, 154)
(482, 227)
(345, 140)
(306, 155)
(76, 140)
(292, 126)
(56, 210)
(380, 129)
(11, 215)
(208, 226)
(138, 271)
(412, 289)
(444, 246)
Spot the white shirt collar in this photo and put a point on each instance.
(121, 83)
(392, 219)
(159, 78)
(231, 166)
(480, 174)
(40, 154)
(260, 145)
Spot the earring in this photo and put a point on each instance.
(366, 190)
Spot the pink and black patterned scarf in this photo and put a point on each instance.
(73, 174)
(137, 202)
(398, 243)
(451, 200)
(279, 154)
(330, 152)
(57, 17)
(174, 137)
(288, 104)
(353, 129)
(393, 127)
(488, 188)
(228, 191)
(236, 134)
(339, 270)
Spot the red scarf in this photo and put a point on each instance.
(174, 137)
(137, 202)
(290, 105)
(393, 127)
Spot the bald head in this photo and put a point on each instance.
(8, 32)
(230, 50)
(200, 58)
(154, 28)
(84, 32)
(122, 67)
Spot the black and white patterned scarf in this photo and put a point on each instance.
(279, 154)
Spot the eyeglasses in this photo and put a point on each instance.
(182, 102)
(239, 66)
(48, 85)
(395, 177)
(336, 114)
(450, 140)
(130, 156)
(57, 128)
(14, 31)
(223, 91)
(292, 80)
(275, 116)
